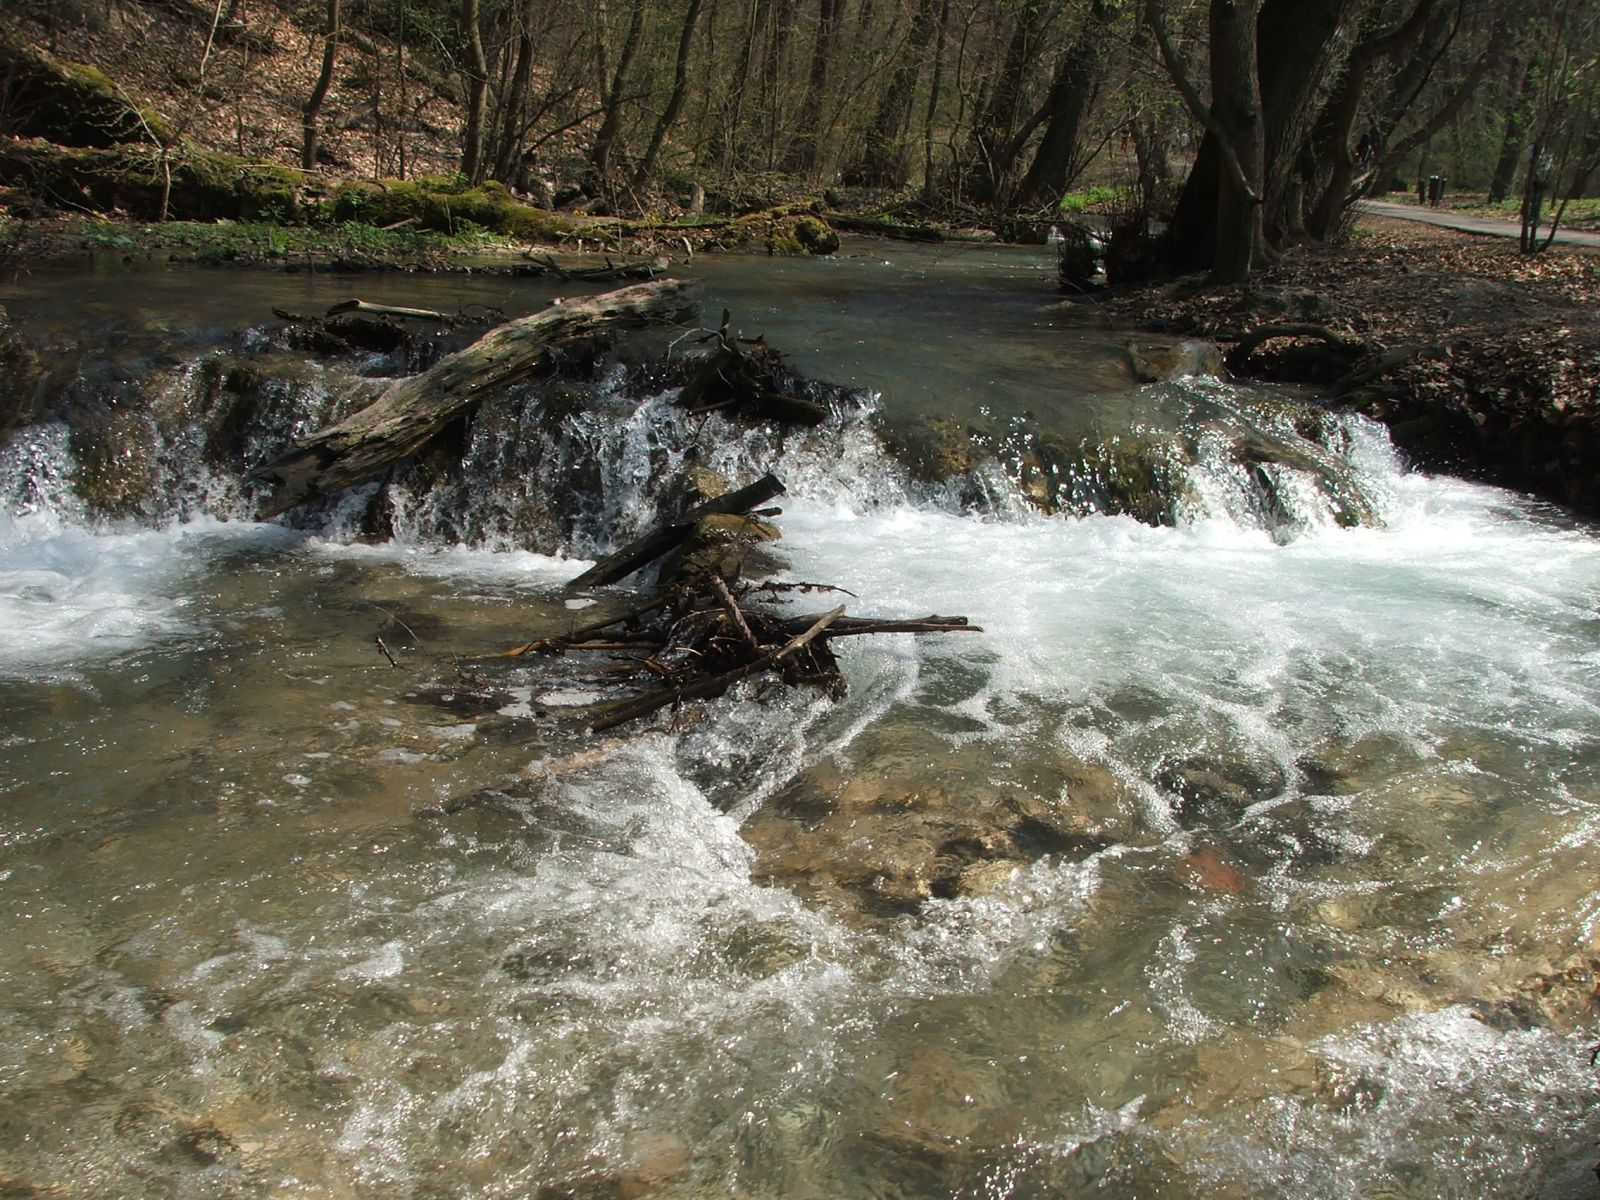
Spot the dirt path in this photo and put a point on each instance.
(1492, 226)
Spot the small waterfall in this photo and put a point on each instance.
(574, 465)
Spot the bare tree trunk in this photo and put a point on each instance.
(605, 141)
(477, 92)
(1236, 105)
(805, 149)
(1070, 95)
(1505, 167)
(680, 89)
(1339, 118)
(319, 93)
(514, 106)
(935, 91)
(884, 161)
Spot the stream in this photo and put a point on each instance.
(1250, 851)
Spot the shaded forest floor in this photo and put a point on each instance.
(1502, 382)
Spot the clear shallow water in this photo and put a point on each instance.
(289, 921)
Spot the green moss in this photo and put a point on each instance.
(68, 102)
(446, 206)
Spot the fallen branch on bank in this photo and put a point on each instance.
(409, 412)
(644, 268)
(1251, 342)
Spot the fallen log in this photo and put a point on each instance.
(409, 412)
(643, 551)
(1256, 338)
(644, 268)
(884, 227)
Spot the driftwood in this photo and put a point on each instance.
(385, 310)
(703, 635)
(645, 550)
(409, 412)
(746, 378)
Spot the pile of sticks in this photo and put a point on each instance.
(706, 628)
(702, 636)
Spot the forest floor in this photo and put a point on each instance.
(1505, 381)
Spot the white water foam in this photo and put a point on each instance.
(73, 592)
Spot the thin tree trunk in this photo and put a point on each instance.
(680, 89)
(935, 88)
(319, 93)
(605, 141)
(805, 149)
(477, 92)
(884, 161)
(1339, 118)
(1505, 167)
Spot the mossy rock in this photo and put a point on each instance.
(785, 229)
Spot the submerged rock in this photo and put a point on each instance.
(929, 822)
(1180, 360)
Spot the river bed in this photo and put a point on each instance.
(1316, 915)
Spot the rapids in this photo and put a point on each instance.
(1299, 896)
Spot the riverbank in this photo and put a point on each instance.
(1494, 358)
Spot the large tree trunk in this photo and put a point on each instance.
(319, 93)
(884, 160)
(1073, 89)
(409, 412)
(1265, 123)
(1236, 106)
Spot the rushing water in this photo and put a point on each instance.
(1309, 906)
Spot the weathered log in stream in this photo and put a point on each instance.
(409, 412)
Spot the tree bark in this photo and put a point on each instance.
(319, 93)
(477, 92)
(409, 412)
(680, 89)
(605, 141)
(1505, 167)
(1339, 118)
(1071, 93)
(1236, 105)
(806, 147)
(884, 160)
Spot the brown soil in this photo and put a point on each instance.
(1505, 384)
(245, 96)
